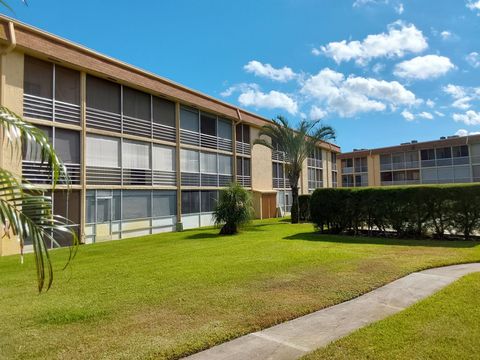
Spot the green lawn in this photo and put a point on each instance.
(168, 295)
(444, 326)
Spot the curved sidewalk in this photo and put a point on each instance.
(295, 338)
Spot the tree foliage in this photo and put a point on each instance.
(234, 209)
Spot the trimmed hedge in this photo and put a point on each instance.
(304, 207)
(406, 211)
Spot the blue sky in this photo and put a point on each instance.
(380, 72)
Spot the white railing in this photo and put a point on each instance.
(314, 162)
(245, 181)
(243, 148)
(137, 176)
(190, 179)
(164, 132)
(164, 177)
(66, 112)
(37, 107)
(278, 155)
(139, 127)
(103, 176)
(38, 172)
(104, 120)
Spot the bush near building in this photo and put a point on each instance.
(403, 211)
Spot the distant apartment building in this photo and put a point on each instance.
(450, 159)
(144, 154)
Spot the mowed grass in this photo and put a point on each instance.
(444, 326)
(169, 295)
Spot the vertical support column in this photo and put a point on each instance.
(234, 148)
(83, 159)
(179, 225)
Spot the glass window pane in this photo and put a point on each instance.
(246, 134)
(67, 145)
(246, 167)
(224, 164)
(136, 103)
(428, 154)
(38, 77)
(444, 153)
(163, 158)
(189, 119)
(225, 129)
(103, 151)
(190, 202)
(164, 203)
(30, 150)
(136, 204)
(116, 205)
(208, 124)
(67, 85)
(90, 207)
(103, 95)
(239, 166)
(189, 161)
(208, 163)
(209, 200)
(135, 155)
(239, 132)
(163, 112)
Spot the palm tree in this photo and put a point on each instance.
(297, 144)
(25, 211)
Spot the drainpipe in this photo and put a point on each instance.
(11, 38)
(234, 143)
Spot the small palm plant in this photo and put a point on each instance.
(297, 144)
(25, 211)
(234, 209)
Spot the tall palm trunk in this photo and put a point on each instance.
(294, 210)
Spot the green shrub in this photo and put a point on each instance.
(406, 211)
(234, 209)
(304, 207)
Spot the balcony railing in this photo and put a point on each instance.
(164, 132)
(278, 155)
(314, 163)
(315, 184)
(37, 172)
(462, 160)
(104, 120)
(204, 140)
(139, 127)
(52, 110)
(243, 148)
(164, 178)
(347, 170)
(201, 179)
(400, 182)
(361, 169)
(97, 175)
(245, 181)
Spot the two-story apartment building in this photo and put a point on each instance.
(144, 154)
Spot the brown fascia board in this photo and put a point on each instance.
(51, 47)
(463, 140)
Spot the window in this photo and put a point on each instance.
(67, 145)
(208, 124)
(67, 85)
(246, 166)
(413, 175)
(243, 133)
(208, 200)
(136, 104)
(189, 119)
(277, 170)
(137, 204)
(38, 77)
(164, 203)
(428, 154)
(135, 155)
(31, 151)
(224, 164)
(385, 159)
(445, 173)
(386, 176)
(334, 158)
(103, 151)
(429, 175)
(67, 204)
(361, 164)
(444, 153)
(163, 158)
(411, 156)
(163, 112)
(399, 176)
(189, 161)
(225, 129)
(460, 151)
(190, 202)
(398, 158)
(103, 95)
(90, 206)
(208, 163)
(347, 163)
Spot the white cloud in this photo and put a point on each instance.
(242, 87)
(317, 113)
(271, 100)
(268, 71)
(378, 68)
(399, 9)
(351, 95)
(316, 52)
(430, 103)
(454, 90)
(438, 113)
(426, 115)
(407, 115)
(445, 34)
(424, 67)
(473, 5)
(399, 40)
(463, 132)
(462, 95)
(469, 118)
(473, 59)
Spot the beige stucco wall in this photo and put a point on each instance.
(373, 162)
(304, 178)
(11, 96)
(261, 164)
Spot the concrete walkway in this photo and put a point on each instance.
(295, 338)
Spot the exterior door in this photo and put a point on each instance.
(269, 206)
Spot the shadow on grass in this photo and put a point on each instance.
(312, 236)
(203, 235)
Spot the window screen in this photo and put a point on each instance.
(163, 112)
(38, 77)
(103, 151)
(239, 166)
(444, 153)
(163, 158)
(460, 151)
(208, 124)
(428, 154)
(386, 176)
(385, 159)
(189, 161)
(224, 164)
(90, 206)
(31, 151)
(190, 202)
(398, 157)
(225, 129)
(136, 204)
(67, 145)
(208, 200)
(189, 119)
(67, 85)
(135, 155)
(246, 134)
(103, 95)
(246, 167)
(164, 203)
(429, 175)
(462, 173)
(208, 163)
(136, 104)
(411, 156)
(445, 173)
